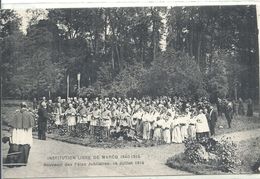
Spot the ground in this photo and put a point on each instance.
(151, 161)
(134, 160)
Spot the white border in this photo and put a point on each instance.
(26, 4)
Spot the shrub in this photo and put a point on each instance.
(228, 157)
(224, 152)
(192, 151)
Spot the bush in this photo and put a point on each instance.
(192, 148)
(222, 153)
(228, 157)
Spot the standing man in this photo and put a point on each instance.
(229, 113)
(42, 121)
(213, 117)
(21, 137)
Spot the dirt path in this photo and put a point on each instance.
(151, 161)
(134, 161)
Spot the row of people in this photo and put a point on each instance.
(157, 120)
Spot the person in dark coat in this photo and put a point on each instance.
(42, 121)
(213, 117)
(50, 106)
(250, 108)
(229, 113)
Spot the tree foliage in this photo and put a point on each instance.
(175, 73)
(120, 51)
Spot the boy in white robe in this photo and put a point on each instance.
(158, 129)
(146, 126)
(166, 125)
(176, 132)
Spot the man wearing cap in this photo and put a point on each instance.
(21, 137)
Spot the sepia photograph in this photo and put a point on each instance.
(130, 91)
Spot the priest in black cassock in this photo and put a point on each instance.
(21, 139)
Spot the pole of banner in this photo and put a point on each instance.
(78, 78)
(258, 28)
(68, 86)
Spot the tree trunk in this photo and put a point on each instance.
(258, 28)
(199, 48)
(153, 35)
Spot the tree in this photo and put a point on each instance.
(174, 73)
(217, 76)
(10, 41)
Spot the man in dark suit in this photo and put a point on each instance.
(213, 117)
(42, 121)
(229, 113)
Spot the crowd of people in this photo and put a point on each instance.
(171, 120)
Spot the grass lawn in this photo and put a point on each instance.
(239, 123)
(249, 152)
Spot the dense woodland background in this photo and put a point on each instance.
(209, 51)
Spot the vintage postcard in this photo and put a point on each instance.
(130, 91)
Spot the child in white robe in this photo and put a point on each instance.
(157, 129)
(146, 126)
(176, 132)
(166, 130)
(192, 127)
